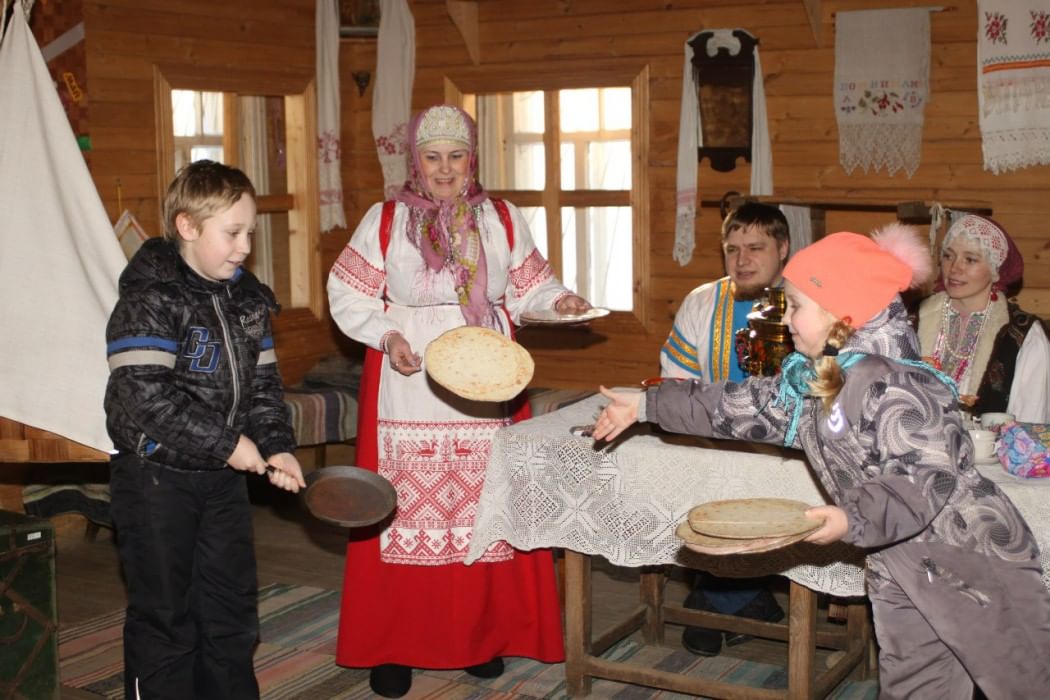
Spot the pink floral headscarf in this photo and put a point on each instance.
(446, 232)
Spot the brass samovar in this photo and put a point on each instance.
(766, 341)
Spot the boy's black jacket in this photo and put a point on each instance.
(224, 381)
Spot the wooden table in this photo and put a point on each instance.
(546, 488)
(583, 650)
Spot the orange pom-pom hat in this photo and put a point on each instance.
(856, 276)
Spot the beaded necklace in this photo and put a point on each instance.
(955, 358)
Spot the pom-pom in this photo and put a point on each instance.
(907, 245)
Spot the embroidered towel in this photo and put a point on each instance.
(392, 94)
(59, 259)
(329, 155)
(882, 67)
(690, 137)
(1013, 83)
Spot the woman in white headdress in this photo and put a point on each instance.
(443, 255)
(998, 354)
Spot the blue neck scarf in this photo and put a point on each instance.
(797, 371)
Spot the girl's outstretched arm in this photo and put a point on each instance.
(620, 414)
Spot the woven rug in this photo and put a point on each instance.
(295, 659)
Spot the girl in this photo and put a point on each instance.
(953, 570)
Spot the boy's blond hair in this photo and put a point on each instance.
(202, 189)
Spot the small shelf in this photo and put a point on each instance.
(347, 31)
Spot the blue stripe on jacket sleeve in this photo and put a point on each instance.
(144, 341)
(267, 343)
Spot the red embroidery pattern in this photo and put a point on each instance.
(393, 143)
(331, 197)
(995, 27)
(352, 269)
(1040, 26)
(437, 469)
(533, 271)
(329, 149)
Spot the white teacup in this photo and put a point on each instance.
(983, 444)
(991, 421)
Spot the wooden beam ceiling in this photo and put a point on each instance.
(464, 14)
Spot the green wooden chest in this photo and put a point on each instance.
(28, 610)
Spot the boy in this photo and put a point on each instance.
(194, 400)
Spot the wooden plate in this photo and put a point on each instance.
(479, 364)
(550, 317)
(751, 518)
(720, 546)
(348, 496)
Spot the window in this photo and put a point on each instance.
(196, 118)
(576, 180)
(270, 138)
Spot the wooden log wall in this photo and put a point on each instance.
(577, 34)
(223, 45)
(126, 38)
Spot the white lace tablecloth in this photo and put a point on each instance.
(547, 488)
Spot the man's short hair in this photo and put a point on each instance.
(202, 189)
(766, 217)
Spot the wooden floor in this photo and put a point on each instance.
(291, 547)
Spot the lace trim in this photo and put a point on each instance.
(1015, 95)
(877, 146)
(1012, 149)
(685, 233)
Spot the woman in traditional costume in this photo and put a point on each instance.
(998, 354)
(442, 255)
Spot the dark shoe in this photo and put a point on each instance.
(390, 680)
(701, 640)
(489, 669)
(763, 607)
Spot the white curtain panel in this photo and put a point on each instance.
(329, 141)
(392, 94)
(256, 165)
(59, 258)
(800, 225)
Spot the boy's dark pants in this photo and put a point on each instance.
(185, 542)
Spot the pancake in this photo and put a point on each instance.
(479, 364)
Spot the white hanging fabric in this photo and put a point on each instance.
(761, 152)
(255, 162)
(59, 258)
(329, 148)
(1013, 83)
(392, 94)
(800, 225)
(690, 137)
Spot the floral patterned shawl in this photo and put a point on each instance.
(446, 232)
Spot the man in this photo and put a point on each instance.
(701, 345)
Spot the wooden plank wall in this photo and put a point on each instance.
(798, 80)
(219, 42)
(125, 38)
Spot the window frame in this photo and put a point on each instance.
(302, 201)
(549, 78)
